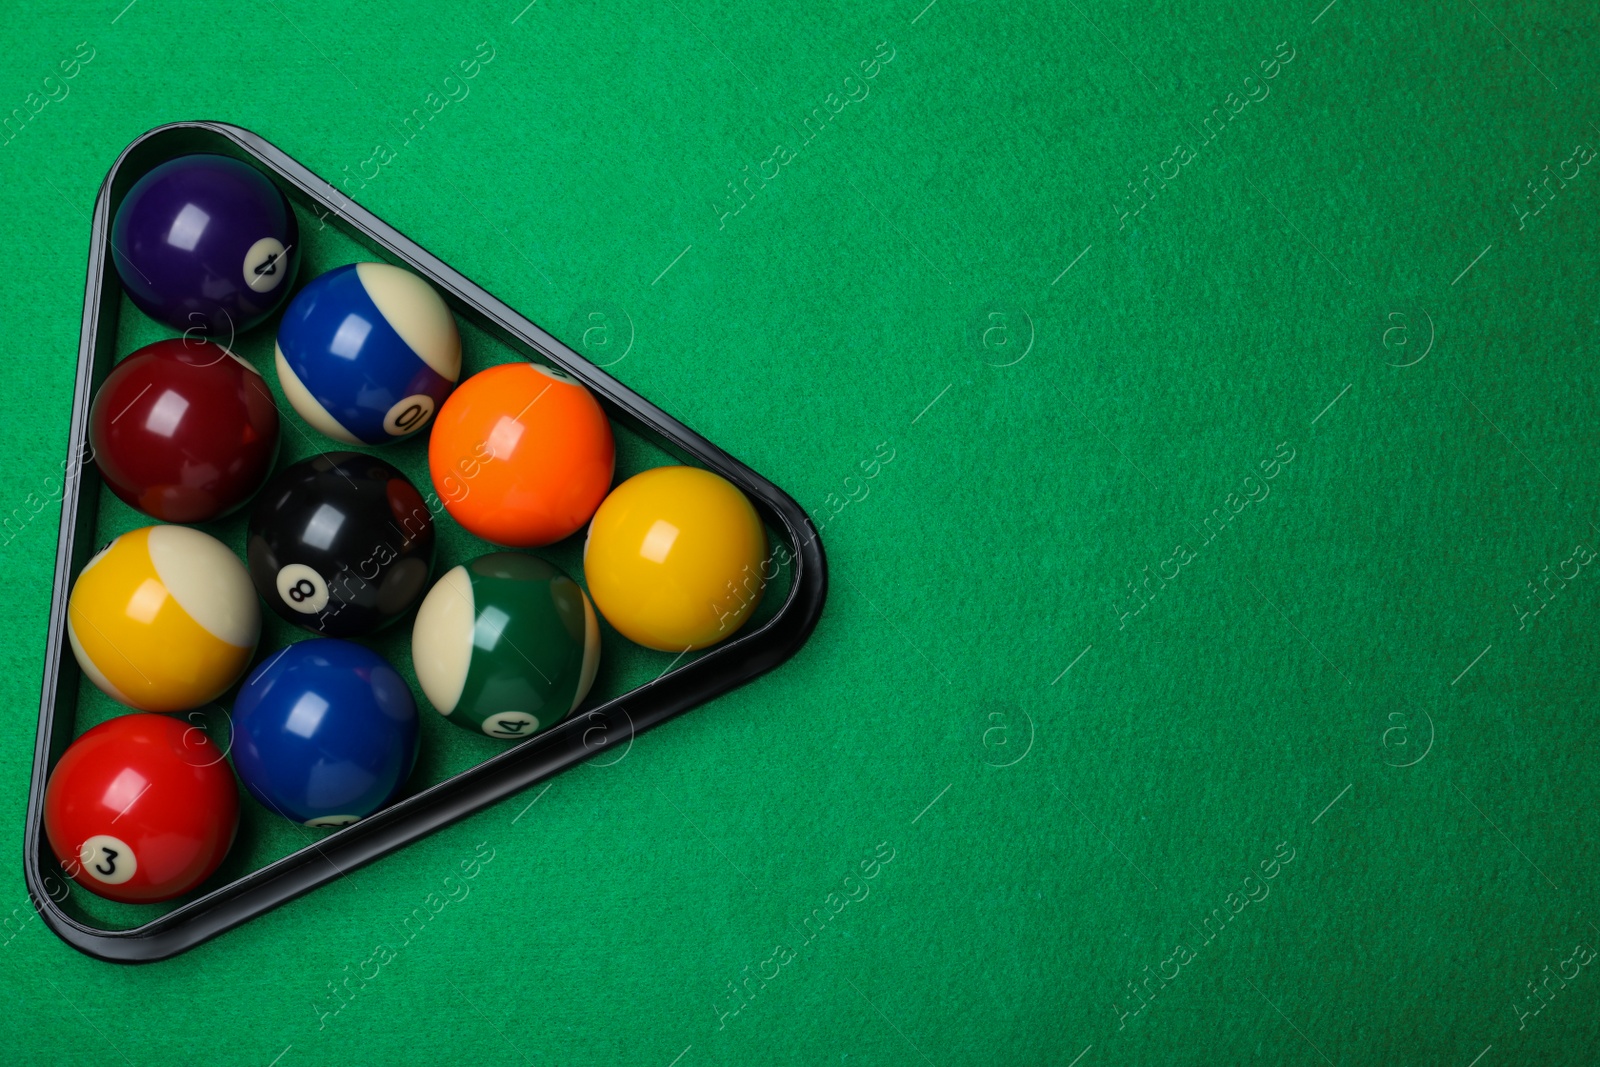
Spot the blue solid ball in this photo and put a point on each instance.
(325, 732)
(206, 243)
(367, 352)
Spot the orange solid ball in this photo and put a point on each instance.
(521, 454)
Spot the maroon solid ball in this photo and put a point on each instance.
(184, 430)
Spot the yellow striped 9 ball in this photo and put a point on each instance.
(163, 618)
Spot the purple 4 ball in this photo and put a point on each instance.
(206, 242)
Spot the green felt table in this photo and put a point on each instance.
(1208, 677)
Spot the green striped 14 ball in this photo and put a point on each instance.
(506, 644)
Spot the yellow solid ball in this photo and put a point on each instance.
(674, 558)
(164, 618)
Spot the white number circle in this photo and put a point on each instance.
(408, 415)
(108, 859)
(266, 265)
(323, 822)
(557, 373)
(509, 724)
(302, 589)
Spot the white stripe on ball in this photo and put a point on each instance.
(441, 639)
(418, 314)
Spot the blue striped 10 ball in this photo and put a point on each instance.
(367, 352)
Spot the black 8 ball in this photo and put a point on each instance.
(341, 544)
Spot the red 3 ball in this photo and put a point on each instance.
(184, 430)
(141, 808)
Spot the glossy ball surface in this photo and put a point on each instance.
(341, 544)
(141, 808)
(207, 243)
(184, 430)
(521, 455)
(367, 352)
(163, 618)
(676, 558)
(506, 645)
(325, 732)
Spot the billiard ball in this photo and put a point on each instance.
(184, 430)
(206, 243)
(367, 352)
(341, 544)
(521, 455)
(675, 558)
(163, 618)
(141, 808)
(506, 645)
(324, 732)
